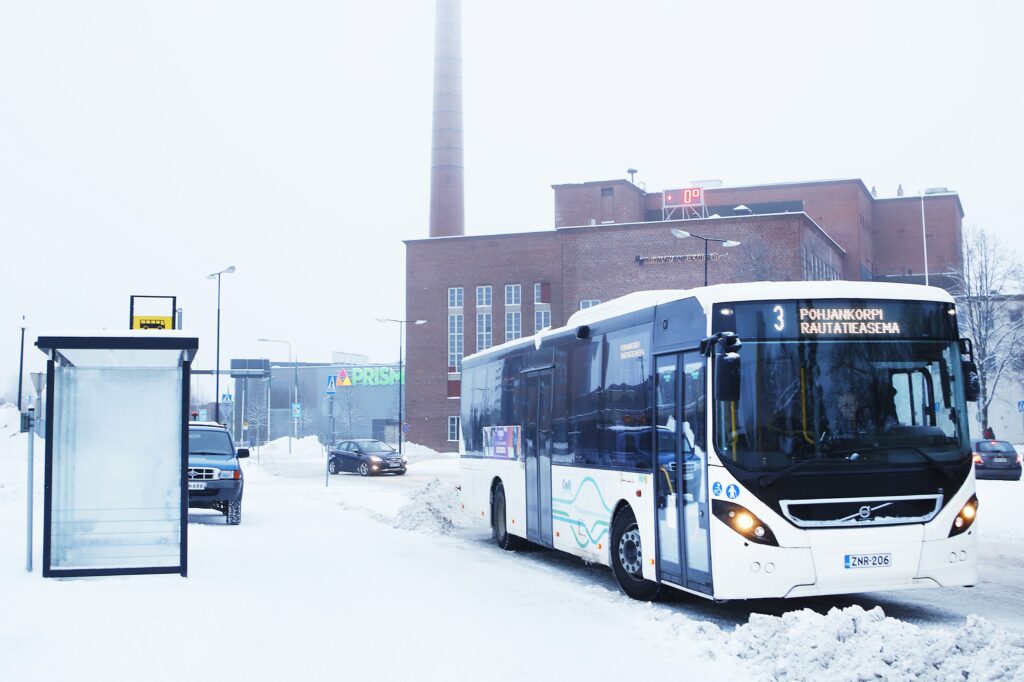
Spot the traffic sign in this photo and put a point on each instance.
(332, 385)
(296, 410)
(405, 428)
(226, 398)
(1020, 405)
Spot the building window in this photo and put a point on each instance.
(483, 331)
(483, 295)
(513, 294)
(453, 429)
(455, 343)
(541, 320)
(589, 303)
(542, 292)
(513, 325)
(607, 191)
(454, 297)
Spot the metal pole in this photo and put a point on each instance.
(216, 390)
(705, 261)
(21, 361)
(295, 421)
(269, 375)
(31, 459)
(401, 332)
(924, 241)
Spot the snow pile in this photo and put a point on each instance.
(418, 453)
(308, 446)
(433, 508)
(306, 460)
(854, 644)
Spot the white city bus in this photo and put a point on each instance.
(780, 439)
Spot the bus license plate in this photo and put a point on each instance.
(867, 560)
(197, 485)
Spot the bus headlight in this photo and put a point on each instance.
(744, 522)
(965, 518)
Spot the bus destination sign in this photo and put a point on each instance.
(846, 322)
(835, 318)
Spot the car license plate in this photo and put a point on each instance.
(197, 485)
(999, 460)
(867, 560)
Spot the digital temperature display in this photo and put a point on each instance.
(692, 196)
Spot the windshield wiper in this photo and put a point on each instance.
(768, 479)
(209, 452)
(932, 462)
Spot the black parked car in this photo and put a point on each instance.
(996, 459)
(366, 457)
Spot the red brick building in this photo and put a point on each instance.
(612, 238)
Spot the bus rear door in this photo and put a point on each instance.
(537, 453)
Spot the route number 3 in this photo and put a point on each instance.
(780, 318)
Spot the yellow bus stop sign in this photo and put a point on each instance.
(152, 322)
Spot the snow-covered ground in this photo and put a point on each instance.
(382, 578)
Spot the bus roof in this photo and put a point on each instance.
(734, 293)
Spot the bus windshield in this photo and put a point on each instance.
(893, 401)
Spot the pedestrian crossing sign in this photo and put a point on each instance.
(332, 385)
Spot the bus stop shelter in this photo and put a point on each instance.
(116, 449)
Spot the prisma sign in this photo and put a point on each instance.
(691, 196)
(369, 376)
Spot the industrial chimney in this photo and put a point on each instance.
(446, 185)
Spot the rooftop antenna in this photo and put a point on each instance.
(632, 172)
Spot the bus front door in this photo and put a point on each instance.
(537, 452)
(683, 515)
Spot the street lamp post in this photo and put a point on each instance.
(295, 423)
(924, 240)
(727, 243)
(21, 362)
(401, 334)
(216, 405)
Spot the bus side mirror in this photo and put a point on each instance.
(727, 377)
(972, 381)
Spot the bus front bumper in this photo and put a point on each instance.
(844, 562)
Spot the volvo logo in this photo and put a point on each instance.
(864, 512)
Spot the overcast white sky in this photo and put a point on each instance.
(144, 145)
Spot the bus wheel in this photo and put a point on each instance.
(499, 521)
(628, 557)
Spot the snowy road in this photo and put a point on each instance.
(318, 583)
(999, 595)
